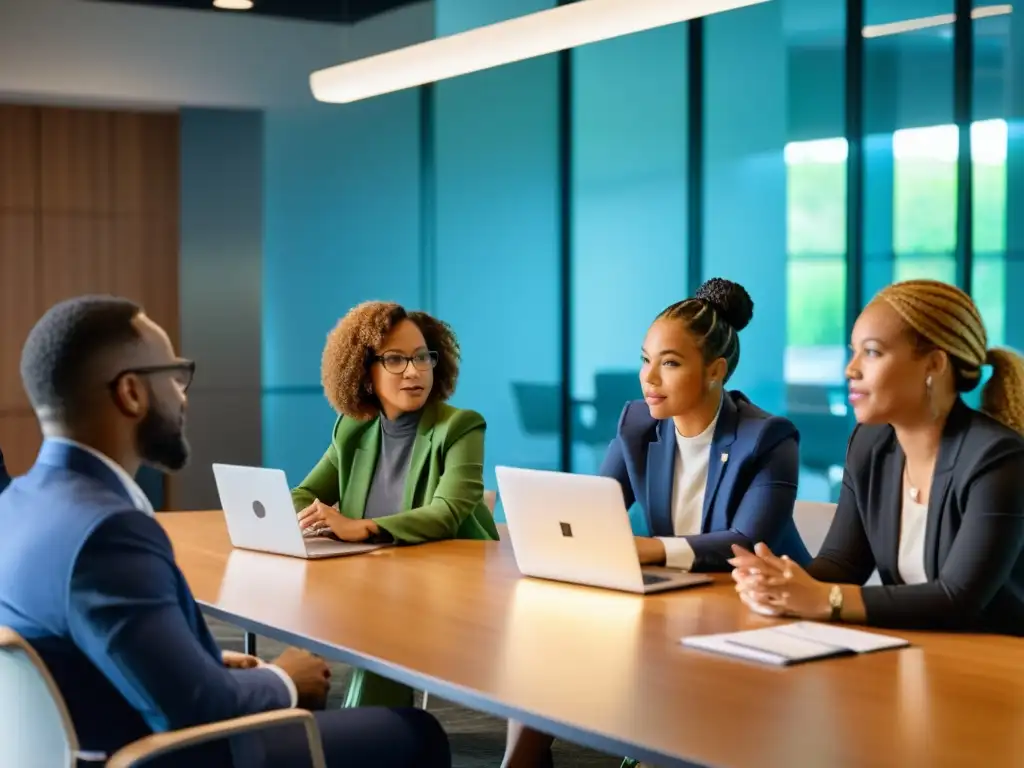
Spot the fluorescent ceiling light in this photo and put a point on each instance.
(912, 25)
(525, 37)
(233, 5)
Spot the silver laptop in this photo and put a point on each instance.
(576, 528)
(258, 509)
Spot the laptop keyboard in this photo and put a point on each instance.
(323, 544)
(650, 578)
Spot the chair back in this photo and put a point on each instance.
(813, 519)
(35, 728)
(491, 500)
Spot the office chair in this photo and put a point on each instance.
(36, 728)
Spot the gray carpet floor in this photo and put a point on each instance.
(477, 740)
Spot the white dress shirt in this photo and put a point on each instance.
(913, 522)
(689, 482)
(142, 503)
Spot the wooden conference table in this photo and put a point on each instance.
(606, 669)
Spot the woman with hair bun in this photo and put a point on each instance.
(933, 491)
(709, 468)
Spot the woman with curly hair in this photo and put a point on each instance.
(402, 465)
(709, 468)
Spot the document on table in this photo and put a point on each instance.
(794, 643)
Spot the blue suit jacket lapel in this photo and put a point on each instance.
(64, 456)
(721, 445)
(661, 454)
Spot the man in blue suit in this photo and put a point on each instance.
(88, 577)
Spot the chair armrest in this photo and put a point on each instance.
(157, 744)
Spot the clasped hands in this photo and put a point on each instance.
(327, 519)
(236, 660)
(310, 673)
(777, 586)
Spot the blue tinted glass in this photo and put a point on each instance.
(775, 213)
(629, 257)
(911, 146)
(342, 195)
(497, 241)
(997, 155)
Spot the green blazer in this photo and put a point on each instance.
(444, 490)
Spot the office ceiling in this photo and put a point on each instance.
(810, 23)
(332, 11)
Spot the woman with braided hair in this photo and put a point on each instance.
(709, 468)
(933, 492)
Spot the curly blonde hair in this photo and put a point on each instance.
(352, 344)
(945, 317)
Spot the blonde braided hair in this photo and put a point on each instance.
(947, 318)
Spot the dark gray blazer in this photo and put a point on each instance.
(974, 535)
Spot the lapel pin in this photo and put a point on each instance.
(725, 457)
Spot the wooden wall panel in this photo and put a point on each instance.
(76, 147)
(129, 161)
(160, 277)
(145, 173)
(18, 301)
(145, 202)
(19, 158)
(76, 256)
(21, 438)
(163, 196)
(88, 204)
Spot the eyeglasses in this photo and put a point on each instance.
(183, 372)
(397, 364)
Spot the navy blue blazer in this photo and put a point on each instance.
(91, 583)
(752, 479)
(5, 478)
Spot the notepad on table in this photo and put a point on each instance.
(794, 643)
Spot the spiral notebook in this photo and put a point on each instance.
(794, 643)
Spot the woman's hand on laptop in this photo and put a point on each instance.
(650, 551)
(315, 515)
(319, 515)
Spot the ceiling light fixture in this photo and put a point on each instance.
(525, 37)
(233, 5)
(927, 22)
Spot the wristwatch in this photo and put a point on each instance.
(835, 602)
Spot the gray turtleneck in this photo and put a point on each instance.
(388, 485)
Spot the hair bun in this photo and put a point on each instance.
(729, 299)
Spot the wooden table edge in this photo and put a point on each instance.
(456, 694)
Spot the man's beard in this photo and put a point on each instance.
(162, 442)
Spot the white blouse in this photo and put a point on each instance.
(913, 522)
(690, 480)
